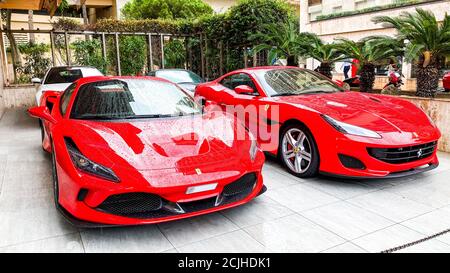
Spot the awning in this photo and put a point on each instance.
(49, 5)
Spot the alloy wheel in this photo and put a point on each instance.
(296, 150)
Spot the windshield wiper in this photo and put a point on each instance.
(316, 92)
(148, 116)
(93, 117)
(284, 94)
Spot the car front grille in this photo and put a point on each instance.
(130, 204)
(403, 154)
(146, 205)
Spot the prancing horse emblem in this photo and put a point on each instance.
(419, 153)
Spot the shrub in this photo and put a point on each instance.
(89, 53)
(36, 62)
(174, 54)
(167, 9)
(132, 54)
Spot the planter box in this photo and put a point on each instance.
(19, 96)
(439, 111)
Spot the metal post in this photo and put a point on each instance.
(206, 59)
(190, 57)
(119, 72)
(150, 53)
(66, 39)
(162, 51)
(104, 46)
(186, 53)
(221, 57)
(52, 47)
(245, 57)
(202, 56)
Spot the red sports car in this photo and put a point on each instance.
(318, 127)
(139, 150)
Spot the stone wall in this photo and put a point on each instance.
(381, 81)
(19, 96)
(439, 111)
(2, 105)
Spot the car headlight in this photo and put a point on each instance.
(346, 128)
(86, 165)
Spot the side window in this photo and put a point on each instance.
(238, 79)
(227, 82)
(65, 98)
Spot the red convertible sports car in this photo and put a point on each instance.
(318, 127)
(139, 150)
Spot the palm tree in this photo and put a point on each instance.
(326, 54)
(280, 40)
(369, 52)
(426, 41)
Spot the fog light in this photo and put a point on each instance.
(351, 162)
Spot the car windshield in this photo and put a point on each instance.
(179, 76)
(132, 99)
(63, 75)
(293, 81)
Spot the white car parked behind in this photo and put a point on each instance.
(58, 78)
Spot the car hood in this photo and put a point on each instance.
(184, 143)
(55, 87)
(372, 111)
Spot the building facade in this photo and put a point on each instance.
(352, 19)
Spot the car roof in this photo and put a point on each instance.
(92, 79)
(258, 68)
(171, 69)
(74, 67)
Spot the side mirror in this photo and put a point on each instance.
(244, 89)
(41, 112)
(35, 80)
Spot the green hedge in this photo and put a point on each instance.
(232, 31)
(113, 25)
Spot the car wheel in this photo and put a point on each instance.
(298, 151)
(446, 90)
(55, 178)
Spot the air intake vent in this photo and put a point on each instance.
(403, 154)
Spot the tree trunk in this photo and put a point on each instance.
(427, 80)
(325, 69)
(292, 60)
(367, 77)
(15, 54)
(31, 25)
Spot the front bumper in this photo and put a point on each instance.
(391, 175)
(81, 214)
(333, 143)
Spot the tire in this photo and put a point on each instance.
(447, 90)
(303, 160)
(55, 179)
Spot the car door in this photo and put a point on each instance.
(63, 106)
(254, 105)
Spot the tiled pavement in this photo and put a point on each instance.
(294, 215)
